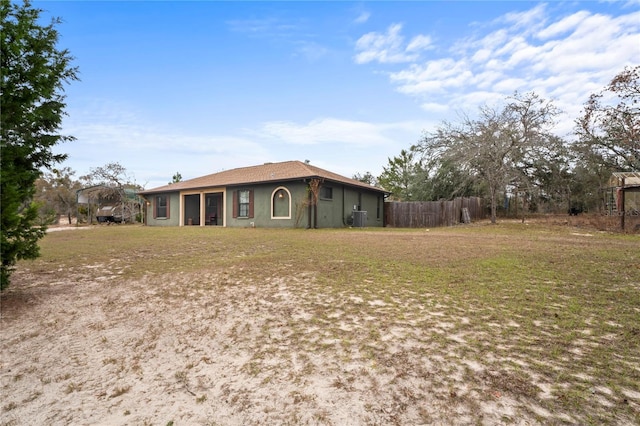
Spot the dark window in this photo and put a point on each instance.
(243, 203)
(162, 207)
(326, 193)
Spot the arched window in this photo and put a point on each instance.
(281, 203)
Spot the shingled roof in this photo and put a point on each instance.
(268, 172)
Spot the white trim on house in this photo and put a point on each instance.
(273, 194)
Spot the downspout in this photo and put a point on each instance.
(315, 212)
(310, 208)
(344, 189)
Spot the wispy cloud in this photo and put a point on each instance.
(311, 50)
(335, 131)
(294, 32)
(115, 133)
(353, 145)
(389, 47)
(562, 58)
(420, 42)
(134, 141)
(362, 18)
(265, 27)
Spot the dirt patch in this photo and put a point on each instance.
(93, 343)
(224, 353)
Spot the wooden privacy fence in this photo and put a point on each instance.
(430, 214)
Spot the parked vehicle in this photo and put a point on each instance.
(111, 214)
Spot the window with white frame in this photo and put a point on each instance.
(243, 203)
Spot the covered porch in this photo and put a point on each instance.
(203, 208)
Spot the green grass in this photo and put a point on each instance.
(549, 314)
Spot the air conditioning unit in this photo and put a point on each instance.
(359, 219)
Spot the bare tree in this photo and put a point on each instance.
(112, 181)
(501, 147)
(609, 129)
(56, 192)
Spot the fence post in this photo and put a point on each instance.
(622, 206)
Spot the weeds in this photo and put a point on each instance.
(411, 327)
(72, 387)
(120, 390)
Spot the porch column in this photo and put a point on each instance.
(224, 207)
(203, 209)
(181, 202)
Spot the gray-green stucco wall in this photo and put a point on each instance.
(332, 213)
(262, 199)
(174, 211)
(338, 211)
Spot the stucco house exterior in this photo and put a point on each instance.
(290, 194)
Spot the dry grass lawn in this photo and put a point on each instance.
(506, 324)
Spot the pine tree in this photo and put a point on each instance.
(32, 105)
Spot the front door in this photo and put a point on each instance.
(192, 209)
(213, 210)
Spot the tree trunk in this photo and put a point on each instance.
(493, 205)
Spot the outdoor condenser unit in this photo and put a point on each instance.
(359, 219)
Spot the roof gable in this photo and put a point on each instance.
(268, 172)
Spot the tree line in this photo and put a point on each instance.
(510, 152)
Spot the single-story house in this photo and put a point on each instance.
(290, 194)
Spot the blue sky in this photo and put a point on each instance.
(201, 87)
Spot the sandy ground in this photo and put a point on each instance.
(112, 353)
(94, 350)
(91, 348)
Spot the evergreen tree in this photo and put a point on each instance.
(32, 106)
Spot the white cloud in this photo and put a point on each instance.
(389, 47)
(435, 76)
(563, 26)
(115, 132)
(311, 51)
(348, 142)
(110, 132)
(563, 58)
(528, 20)
(481, 55)
(332, 131)
(420, 42)
(264, 27)
(435, 107)
(382, 47)
(362, 18)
